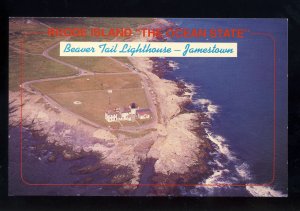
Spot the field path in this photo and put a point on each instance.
(84, 72)
(150, 97)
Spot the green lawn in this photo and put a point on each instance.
(94, 64)
(87, 83)
(91, 91)
(34, 67)
(96, 22)
(95, 103)
(35, 43)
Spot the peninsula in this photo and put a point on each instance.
(72, 101)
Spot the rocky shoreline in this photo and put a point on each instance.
(178, 147)
(199, 170)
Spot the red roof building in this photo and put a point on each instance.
(143, 113)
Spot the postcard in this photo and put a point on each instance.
(148, 107)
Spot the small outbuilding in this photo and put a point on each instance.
(144, 113)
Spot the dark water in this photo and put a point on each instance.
(38, 170)
(243, 90)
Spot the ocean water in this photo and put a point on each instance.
(36, 169)
(238, 94)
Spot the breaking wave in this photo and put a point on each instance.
(189, 90)
(243, 170)
(219, 141)
(207, 107)
(226, 167)
(173, 65)
(264, 191)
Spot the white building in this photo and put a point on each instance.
(129, 113)
(111, 116)
(144, 113)
(125, 114)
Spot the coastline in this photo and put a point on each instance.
(178, 146)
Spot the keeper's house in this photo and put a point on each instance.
(129, 113)
(111, 116)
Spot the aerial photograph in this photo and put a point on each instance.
(147, 126)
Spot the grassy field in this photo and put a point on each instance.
(96, 22)
(123, 59)
(88, 83)
(34, 44)
(38, 67)
(37, 43)
(24, 25)
(95, 103)
(91, 91)
(98, 64)
(35, 67)
(94, 64)
(134, 134)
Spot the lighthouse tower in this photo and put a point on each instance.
(133, 107)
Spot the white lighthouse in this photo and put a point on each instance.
(133, 107)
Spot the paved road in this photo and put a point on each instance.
(82, 72)
(149, 96)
